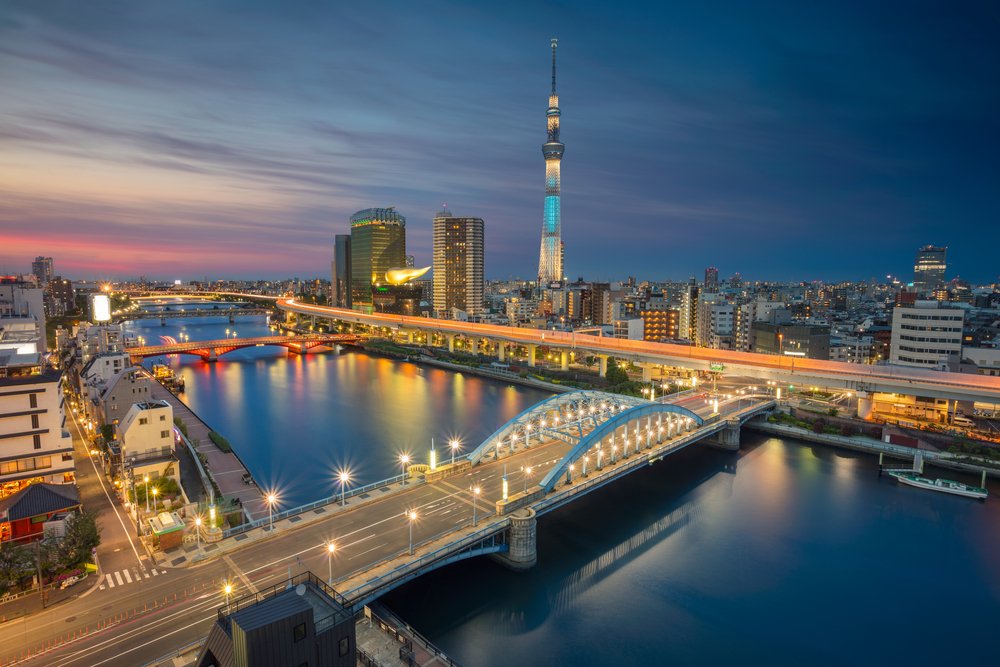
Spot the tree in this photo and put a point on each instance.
(15, 560)
(615, 375)
(82, 536)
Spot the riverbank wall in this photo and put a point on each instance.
(869, 446)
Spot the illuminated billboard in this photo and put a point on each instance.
(100, 308)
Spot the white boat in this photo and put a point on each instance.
(942, 485)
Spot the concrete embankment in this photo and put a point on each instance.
(870, 446)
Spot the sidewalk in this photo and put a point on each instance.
(225, 468)
(32, 604)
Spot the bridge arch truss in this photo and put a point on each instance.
(629, 431)
(563, 417)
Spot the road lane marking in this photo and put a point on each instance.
(111, 582)
(239, 573)
(128, 577)
(118, 576)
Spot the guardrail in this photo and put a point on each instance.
(336, 498)
(375, 583)
(877, 445)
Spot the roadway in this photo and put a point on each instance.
(135, 622)
(784, 369)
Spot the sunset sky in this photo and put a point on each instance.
(789, 140)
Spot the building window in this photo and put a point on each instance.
(143, 421)
(37, 441)
(299, 632)
(163, 418)
(67, 456)
(33, 400)
(345, 646)
(34, 421)
(164, 434)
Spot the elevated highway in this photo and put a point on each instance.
(784, 370)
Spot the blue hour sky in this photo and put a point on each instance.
(235, 138)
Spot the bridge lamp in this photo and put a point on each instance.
(586, 459)
(404, 460)
(411, 515)
(330, 548)
(475, 495)
(227, 590)
(527, 473)
(271, 499)
(211, 516)
(343, 477)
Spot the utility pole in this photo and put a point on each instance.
(38, 569)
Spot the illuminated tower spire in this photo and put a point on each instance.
(550, 267)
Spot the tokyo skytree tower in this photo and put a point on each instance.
(550, 268)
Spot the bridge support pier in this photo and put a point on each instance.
(522, 553)
(212, 355)
(501, 351)
(531, 355)
(728, 438)
(647, 373)
(451, 342)
(602, 365)
(564, 360)
(409, 337)
(864, 404)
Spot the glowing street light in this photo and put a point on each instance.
(145, 481)
(330, 548)
(344, 477)
(475, 494)
(197, 530)
(527, 473)
(271, 499)
(156, 492)
(454, 448)
(411, 515)
(404, 460)
(227, 590)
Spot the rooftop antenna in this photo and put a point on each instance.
(555, 43)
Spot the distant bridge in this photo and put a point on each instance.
(210, 350)
(163, 315)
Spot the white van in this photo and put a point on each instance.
(965, 422)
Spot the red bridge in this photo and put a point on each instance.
(210, 350)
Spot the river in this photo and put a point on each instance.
(780, 554)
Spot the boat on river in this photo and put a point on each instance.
(940, 485)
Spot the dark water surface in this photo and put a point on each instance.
(782, 554)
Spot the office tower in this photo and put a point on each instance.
(927, 334)
(340, 272)
(42, 269)
(689, 311)
(378, 243)
(929, 268)
(550, 260)
(458, 265)
(711, 279)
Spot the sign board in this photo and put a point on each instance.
(100, 308)
(717, 368)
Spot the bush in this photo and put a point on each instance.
(832, 412)
(220, 441)
(818, 426)
(181, 426)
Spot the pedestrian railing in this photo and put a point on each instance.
(336, 498)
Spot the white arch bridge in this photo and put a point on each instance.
(551, 454)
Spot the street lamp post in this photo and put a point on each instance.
(330, 548)
(404, 459)
(271, 499)
(475, 495)
(345, 477)
(197, 530)
(454, 448)
(227, 589)
(412, 516)
(527, 472)
(156, 492)
(145, 481)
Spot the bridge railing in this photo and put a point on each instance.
(414, 565)
(323, 502)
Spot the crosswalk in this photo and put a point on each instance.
(128, 576)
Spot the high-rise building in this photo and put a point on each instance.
(340, 272)
(550, 260)
(458, 265)
(42, 269)
(929, 268)
(927, 334)
(689, 311)
(378, 243)
(711, 279)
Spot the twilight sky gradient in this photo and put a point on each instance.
(234, 138)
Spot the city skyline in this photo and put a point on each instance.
(132, 134)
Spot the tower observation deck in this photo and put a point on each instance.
(550, 268)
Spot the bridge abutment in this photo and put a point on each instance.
(522, 552)
(865, 405)
(531, 355)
